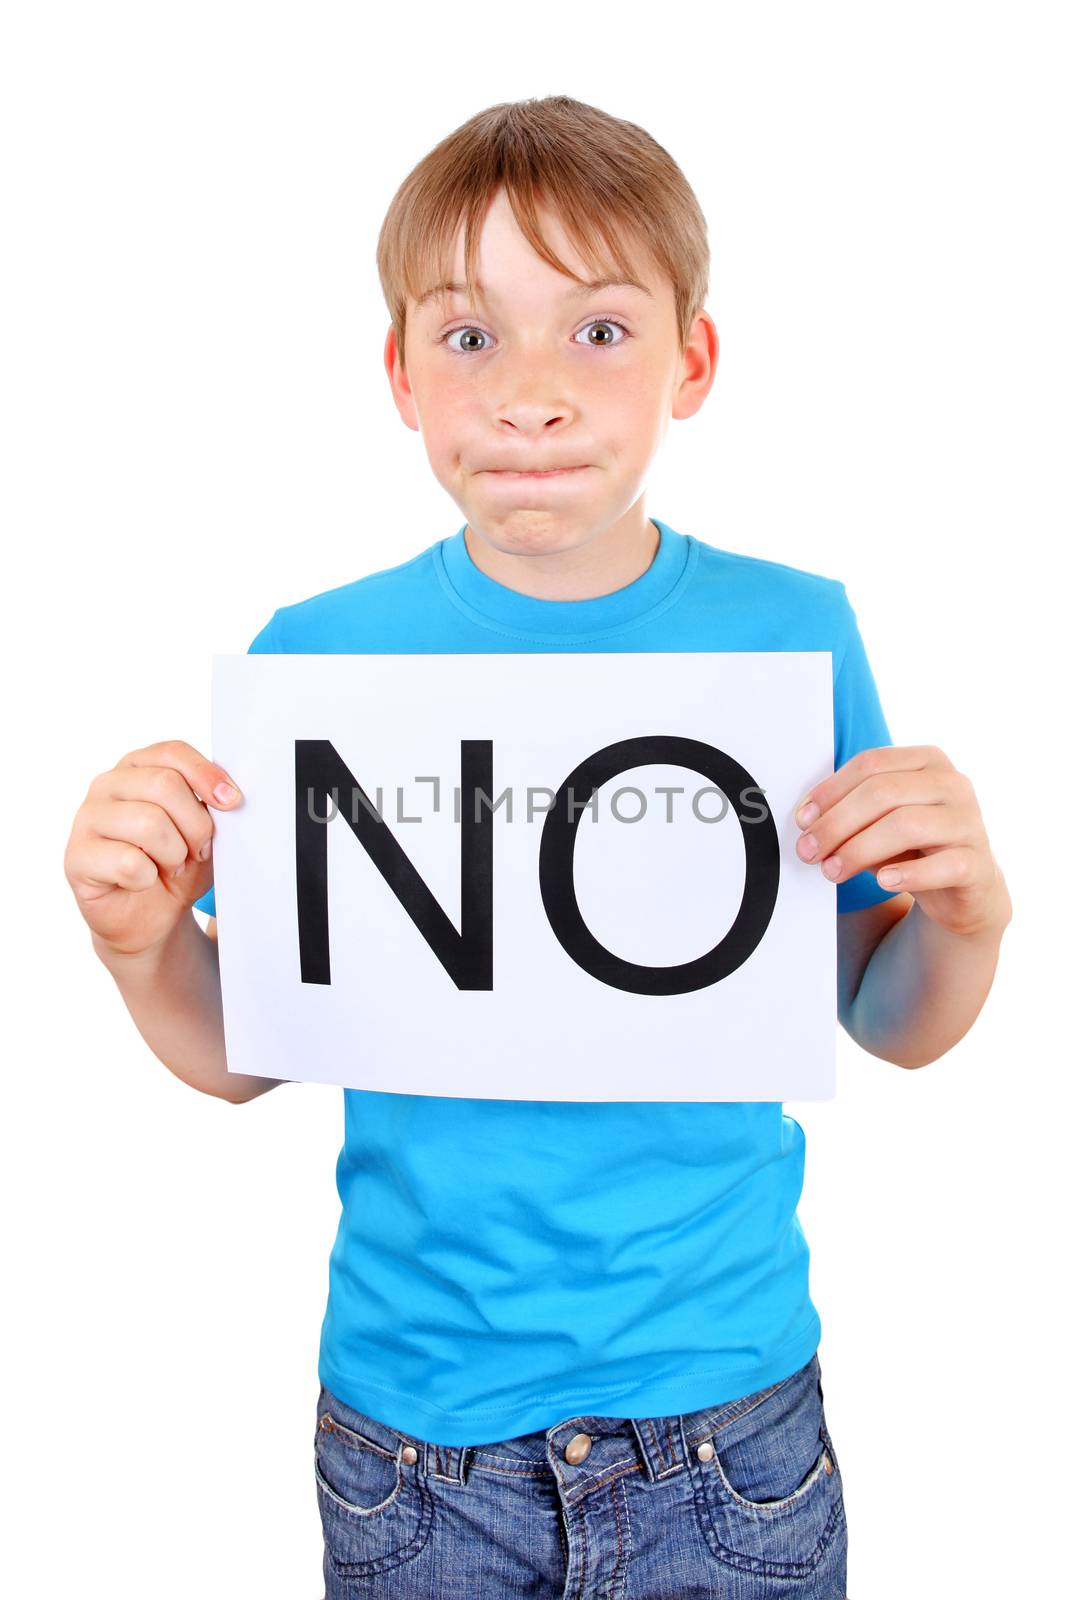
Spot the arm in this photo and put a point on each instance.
(859, 934)
(174, 996)
(908, 990)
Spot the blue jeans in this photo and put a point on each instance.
(741, 1501)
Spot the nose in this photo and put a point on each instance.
(534, 394)
(531, 416)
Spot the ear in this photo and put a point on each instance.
(398, 382)
(696, 367)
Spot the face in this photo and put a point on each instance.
(542, 414)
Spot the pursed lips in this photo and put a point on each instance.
(531, 472)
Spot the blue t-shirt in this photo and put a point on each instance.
(503, 1265)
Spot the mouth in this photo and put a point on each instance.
(554, 472)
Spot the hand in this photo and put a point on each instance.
(905, 813)
(139, 852)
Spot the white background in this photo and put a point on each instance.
(197, 428)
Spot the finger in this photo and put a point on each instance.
(164, 787)
(876, 797)
(907, 828)
(96, 865)
(141, 823)
(867, 764)
(955, 868)
(203, 776)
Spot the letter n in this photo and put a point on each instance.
(467, 955)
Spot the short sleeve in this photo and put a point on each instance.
(859, 724)
(266, 642)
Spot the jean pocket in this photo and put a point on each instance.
(376, 1511)
(767, 1483)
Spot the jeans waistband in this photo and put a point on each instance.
(662, 1444)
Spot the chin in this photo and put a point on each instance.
(532, 532)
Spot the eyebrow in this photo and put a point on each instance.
(580, 289)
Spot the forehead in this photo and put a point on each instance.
(440, 293)
(515, 256)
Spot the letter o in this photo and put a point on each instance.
(556, 869)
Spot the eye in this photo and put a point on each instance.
(606, 322)
(464, 349)
(469, 330)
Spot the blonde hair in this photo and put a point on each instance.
(608, 181)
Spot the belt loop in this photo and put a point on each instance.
(661, 1444)
(640, 1426)
(451, 1461)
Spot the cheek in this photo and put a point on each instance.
(439, 394)
(626, 386)
(443, 406)
(631, 413)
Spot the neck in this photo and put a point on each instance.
(603, 563)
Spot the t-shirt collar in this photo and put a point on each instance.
(526, 613)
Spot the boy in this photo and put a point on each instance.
(569, 1345)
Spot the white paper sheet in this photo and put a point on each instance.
(560, 982)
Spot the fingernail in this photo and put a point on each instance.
(178, 871)
(224, 793)
(832, 866)
(807, 814)
(807, 847)
(205, 850)
(890, 875)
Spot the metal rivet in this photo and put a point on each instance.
(409, 1454)
(704, 1451)
(827, 1463)
(578, 1448)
